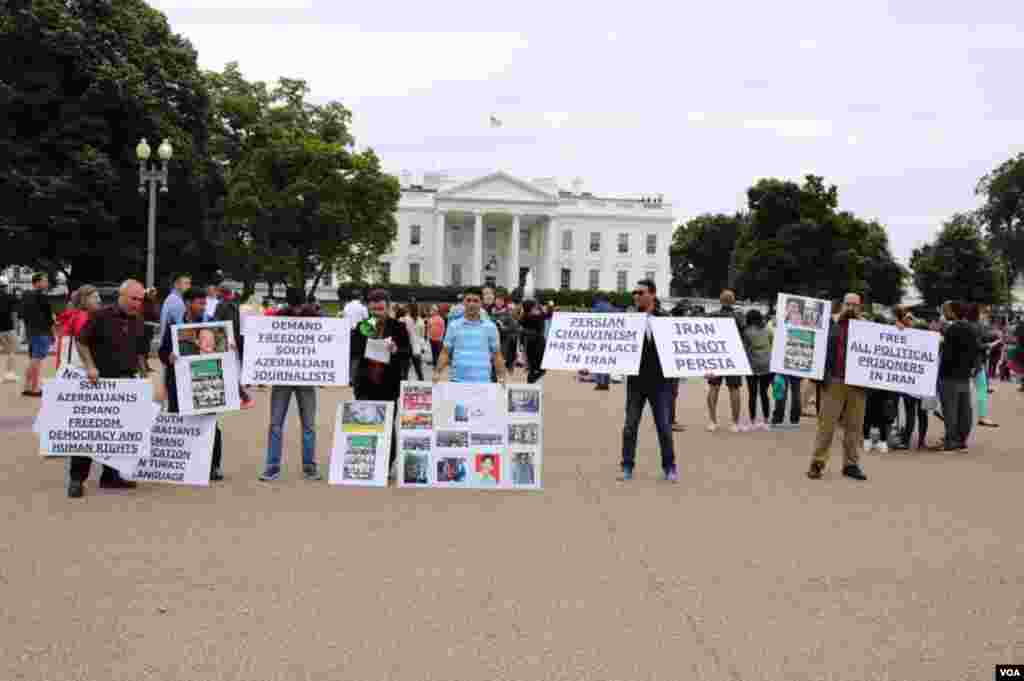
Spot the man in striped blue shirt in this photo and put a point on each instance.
(471, 346)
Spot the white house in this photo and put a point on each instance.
(496, 228)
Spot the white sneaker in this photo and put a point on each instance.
(736, 428)
(10, 378)
(882, 447)
(764, 426)
(712, 427)
(867, 445)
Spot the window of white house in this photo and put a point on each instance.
(456, 275)
(620, 283)
(491, 280)
(595, 279)
(491, 238)
(595, 242)
(524, 239)
(652, 244)
(415, 234)
(567, 240)
(649, 275)
(385, 272)
(414, 273)
(623, 242)
(456, 232)
(566, 278)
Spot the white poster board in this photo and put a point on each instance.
(888, 358)
(310, 351)
(801, 336)
(697, 346)
(180, 452)
(524, 460)
(599, 342)
(362, 443)
(112, 417)
(207, 338)
(207, 384)
(416, 434)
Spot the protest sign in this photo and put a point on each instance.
(362, 443)
(889, 358)
(801, 336)
(180, 452)
(202, 339)
(415, 434)
(697, 346)
(207, 384)
(112, 417)
(310, 351)
(597, 342)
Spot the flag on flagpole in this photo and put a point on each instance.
(495, 123)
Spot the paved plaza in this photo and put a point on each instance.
(744, 570)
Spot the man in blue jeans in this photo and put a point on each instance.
(650, 385)
(38, 317)
(280, 399)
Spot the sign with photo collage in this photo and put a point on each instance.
(801, 336)
(362, 443)
(470, 435)
(206, 371)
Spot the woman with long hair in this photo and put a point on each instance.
(913, 406)
(757, 341)
(986, 341)
(83, 302)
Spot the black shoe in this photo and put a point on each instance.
(816, 470)
(76, 490)
(903, 444)
(600, 387)
(216, 475)
(854, 472)
(117, 483)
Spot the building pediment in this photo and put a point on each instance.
(500, 187)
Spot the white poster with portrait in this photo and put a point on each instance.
(801, 336)
(208, 338)
(362, 443)
(207, 384)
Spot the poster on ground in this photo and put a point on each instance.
(608, 343)
(801, 336)
(362, 443)
(888, 358)
(310, 351)
(416, 434)
(207, 338)
(207, 384)
(697, 346)
(112, 417)
(180, 451)
(523, 459)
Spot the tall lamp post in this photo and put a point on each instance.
(152, 176)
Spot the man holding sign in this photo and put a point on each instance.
(650, 386)
(112, 345)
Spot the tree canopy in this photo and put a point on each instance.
(1003, 211)
(702, 252)
(958, 265)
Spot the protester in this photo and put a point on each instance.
(280, 399)
(648, 386)
(173, 310)
(378, 381)
(879, 412)
(8, 333)
(471, 346)
(959, 357)
(37, 313)
(195, 300)
(758, 342)
(212, 302)
(603, 381)
(913, 406)
(728, 300)
(228, 310)
(355, 312)
(793, 317)
(436, 328)
(82, 304)
(841, 404)
(532, 333)
(980, 321)
(502, 314)
(111, 345)
(412, 358)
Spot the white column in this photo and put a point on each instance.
(478, 250)
(513, 282)
(551, 278)
(438, 275)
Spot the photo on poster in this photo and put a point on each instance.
(523, 434)
(417, 422)
(487, 469)
(360, 458)
(523, 402)
(798, 311)
(209, 338)
(452, 471)
(417, 397)
(470, 405)
(799, 352)
(363, 416)
(488, 439)
(208, 385)
(524, 469)
(415, 469)
(452, 439)
(415, 443)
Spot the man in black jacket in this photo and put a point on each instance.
(958, 359)
(650, 385)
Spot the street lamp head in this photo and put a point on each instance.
(165, 151)
(142, 151)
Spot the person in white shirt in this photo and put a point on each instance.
(355, 312)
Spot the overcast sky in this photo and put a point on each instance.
(903, 104)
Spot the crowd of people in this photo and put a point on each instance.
(487, 337)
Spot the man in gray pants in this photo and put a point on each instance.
(959, 357)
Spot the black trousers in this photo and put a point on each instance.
(793, 388)
(876, 414)
(916, 416)
(757, 386)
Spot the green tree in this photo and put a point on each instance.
(80, 83)
(702, 251)
(958, 265)
(300, 201)
(1003, 212)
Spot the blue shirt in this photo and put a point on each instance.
(471, 347)
(173, 311)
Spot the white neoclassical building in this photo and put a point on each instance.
(496, 228)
